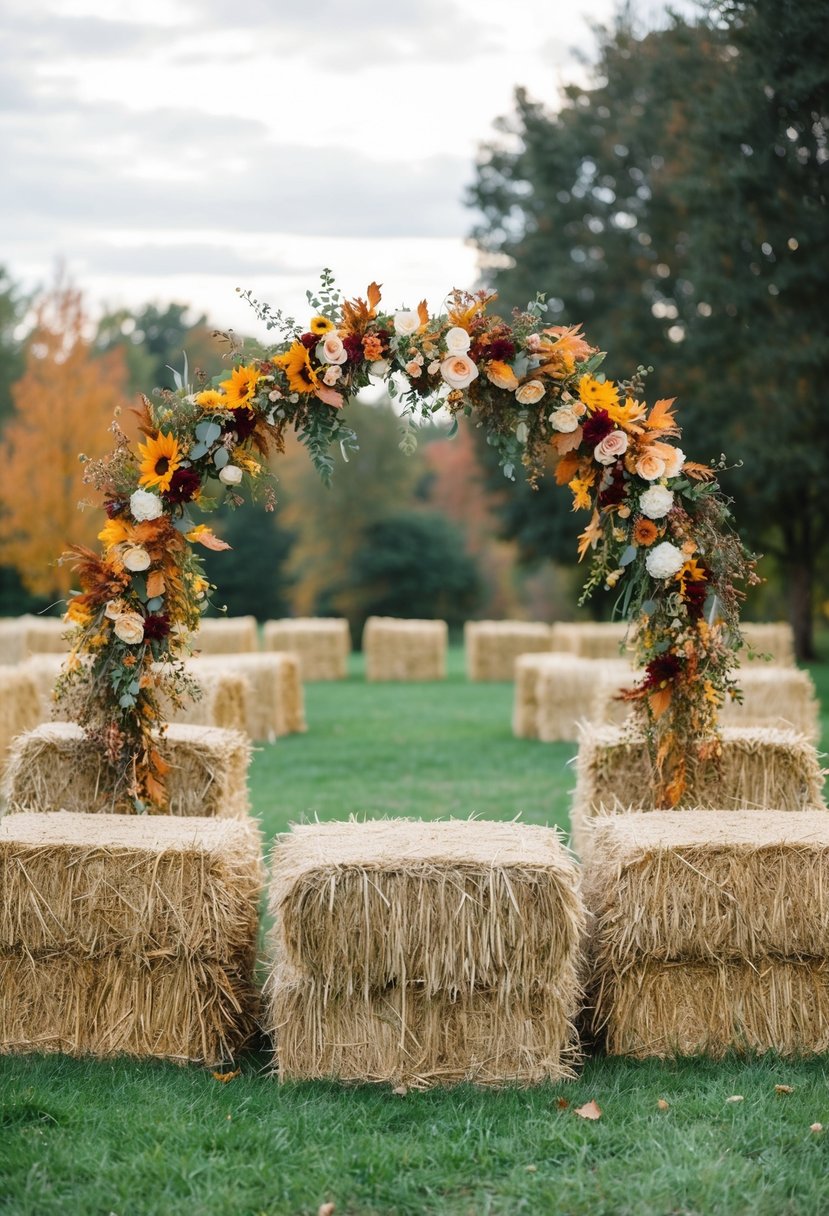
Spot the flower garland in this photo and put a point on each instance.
(659, 526)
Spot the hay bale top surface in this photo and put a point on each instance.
(177, 732)
(406, 623)
(392, 844)
(631, 836)
(311, 624)
(535, 629)
(743, 738)
(150, 833)
(244, 660)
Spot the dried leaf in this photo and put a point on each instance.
(590, 1110)
(815, 1127)
(329, 395)
(562, 1103)
(202, 535)
(662, 1104)
(566, 469)
(736, 1098)
(326, 1209)
(155, 584)
(699, 472)
(591, 535)
(567, 441)
(400, 1090)
(659, 701)
(661, 418)
(423, 314)
(373, 293)
(224, 1077)
(531, 1169)
(784, 1089)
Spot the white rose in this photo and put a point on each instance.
(129, 627)
(332, 374)
(380, 368)
(674, 462)
(564, 420)
(434, 367)
(331, 349)
(135, 558)
(458, 370)
(457, 340)
(231, 475)
(656, 502)
(145, 505)
(611, 447)
(406, 323)
(664, 560)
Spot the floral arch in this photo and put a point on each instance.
(658, 528)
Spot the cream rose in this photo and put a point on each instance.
(564, 420)
(129, 627)
(611, 447)
(656, 502)
(674, 461)
(114, 609)
(458, 371)
(457, 341)
(231, 475)
(434, 367)
(664, 560)
(331, 349)
(413, 369)
(530, 392)
(406, 323)
(380, 367)
(332, 374)
(135, 558)
(145, 505)
(650, 467)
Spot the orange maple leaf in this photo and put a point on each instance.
(357, 313)
(155, 584)
(224, 1077)
(567, 441)
(423, 313)
(659, 701)
(591, 535)
(566, 468)
(202, 535)
(661, 418)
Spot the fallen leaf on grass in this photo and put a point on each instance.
(400, 1091)
(326, 1209)
(562, 1103)
(590, 1110)
(662, 1104)
(531, 1169)
(784, 1089)
(736, 1098)
(224, 1077)
(816, 1127)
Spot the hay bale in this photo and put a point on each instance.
(685, 1008)
(759, 769)
(525, 695)
(223, 702)
(26, 635)
(709, 886)
(322, 643)
(55, 767)
(591, 639)
(775, 638)
(404, 649)
(90, 885)
(448, 906)
(20, 708)
(493, 646)
(403, 1036)
(275, 703)
(566, 690)
(227, 635)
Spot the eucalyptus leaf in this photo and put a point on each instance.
(453, 430)
(649, 607)
(126, 701)
(208, 431)
(154, 605)
(184, 524)
(628, 556)
(134, 688)
(198, 450)
(221, 458)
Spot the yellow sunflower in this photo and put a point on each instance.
(114, 532)
(301, 376)
(160, 457)
(212, 400)
(320, 326)
(240, 389)
(598, 394)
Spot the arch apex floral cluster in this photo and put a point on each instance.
(659, 527)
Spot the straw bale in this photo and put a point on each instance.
(591, 639)
(227, 635)
(682, 1008)
(455, 905)
(25, 635)
(183, 1009)
(19, 707)
(525, 696)
(405, 649)
(709, 886)
(275, 701)
(493, 646)
(322, 643)
(224, 702)
(566, 689)
(140, 885)
(775, 638)
(55, 767)
(403, 1036)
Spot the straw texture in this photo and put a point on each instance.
(275, 700)
(566, 690)
(227, 635)
(493, 646)
(19, 707)
(25, 635)
(55, 767)
(322, 643)
(775, 638)
(455, 905)
(590, 639)
(680, 1008)
(525, 695)
(709, 885)
(404, 649)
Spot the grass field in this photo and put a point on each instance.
(136, 1139)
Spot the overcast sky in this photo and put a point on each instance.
(177, 149)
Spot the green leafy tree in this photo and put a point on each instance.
(13, 307)
(153, 340)
(251, 577)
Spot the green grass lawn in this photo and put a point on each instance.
(144, 1138)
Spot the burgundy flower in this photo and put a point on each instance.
(596, 428)
(114, 507)
(663, 669)
(695, 593)
(613, 493)
(156, 626)
(309, 341)
(353, 344)
(184, 485)
(244, 423)
(502, 349)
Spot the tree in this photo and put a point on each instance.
(13, 307)
(251, 576)
(63, 403)
(154, 340)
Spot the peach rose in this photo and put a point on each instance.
(611, 447)
(649, 466)
(331, 349)
(458, 370)
(129, 627)
(332, 374)
(413, 369)
(530, 392)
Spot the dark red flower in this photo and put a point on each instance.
(184, 485)
(156, 626)
(243, 423)
(309, 341)
(353, 344)
(663, 669)
(695, 593)
(614, 493)
(114, 507)
(597, 426)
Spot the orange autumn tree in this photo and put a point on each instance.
(64, 399)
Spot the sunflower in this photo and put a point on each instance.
(160, 457)
(598, 394)
(320, 326)
(301, 376)
(240, 388)
(212, 401)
